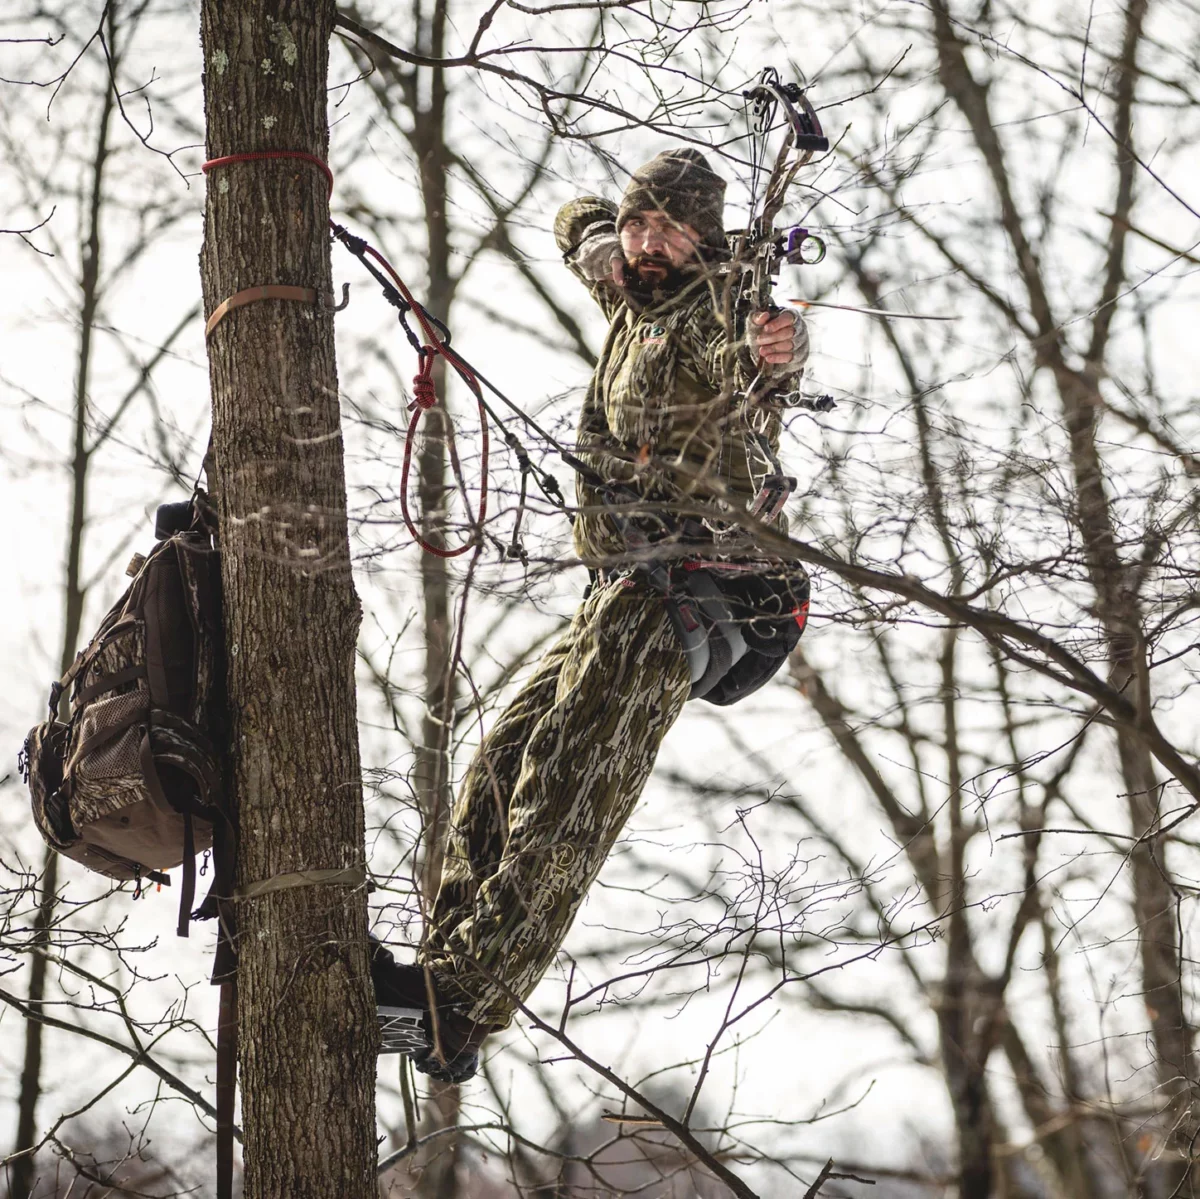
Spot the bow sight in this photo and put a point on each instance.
(798, 247)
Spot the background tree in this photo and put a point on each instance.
(1049, 478)
(88, 260)
(415, 109)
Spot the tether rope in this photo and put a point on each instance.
(424, 388)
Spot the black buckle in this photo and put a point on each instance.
(775, 491)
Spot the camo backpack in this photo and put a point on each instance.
(128, 784)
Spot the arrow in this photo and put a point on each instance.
(885, 312)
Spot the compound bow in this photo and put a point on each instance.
(760, 253)
(765, 250)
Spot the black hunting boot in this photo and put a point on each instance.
(406, 1026)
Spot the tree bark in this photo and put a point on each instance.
(307, 1036)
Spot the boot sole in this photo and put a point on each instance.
(401, 1030)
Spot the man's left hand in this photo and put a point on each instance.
(779, 338)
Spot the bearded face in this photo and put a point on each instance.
(661, 254)
(651, 275)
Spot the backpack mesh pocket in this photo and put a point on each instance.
(119, 755)
(105, 769)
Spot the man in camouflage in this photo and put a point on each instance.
(555, 780)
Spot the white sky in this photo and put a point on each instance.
(802, 1059)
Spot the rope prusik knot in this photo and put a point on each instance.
(424, 391)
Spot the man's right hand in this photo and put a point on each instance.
(778, 339)
(600, 260)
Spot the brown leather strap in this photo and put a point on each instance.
(226, 1086)
(275, 291)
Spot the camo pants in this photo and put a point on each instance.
(547, 795)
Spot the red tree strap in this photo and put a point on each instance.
(266, 155)
(269, 291)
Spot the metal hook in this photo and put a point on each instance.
(326, 299)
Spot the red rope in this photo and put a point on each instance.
(261, 155)
(424, 398)
(424, 388)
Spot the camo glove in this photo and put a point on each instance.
(596, 254)
(770, 340)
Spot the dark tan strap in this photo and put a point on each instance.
(226, 1085)
(156, 665)
(275, 291)
(109, 682)
(187, 891)
(72, 671)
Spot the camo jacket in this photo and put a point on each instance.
(662, 414)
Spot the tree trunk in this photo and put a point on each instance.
(436, 1169)
(23, 1169)
(307, 1031)
(1112, 579)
